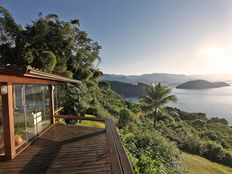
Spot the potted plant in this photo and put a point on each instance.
(18, 138)
(19, 128)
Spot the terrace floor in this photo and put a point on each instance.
(66, 149)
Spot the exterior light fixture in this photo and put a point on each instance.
(4, 89)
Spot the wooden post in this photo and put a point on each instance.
(52, 109)
(8, 122)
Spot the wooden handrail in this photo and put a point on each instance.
(115, 160)
(58, 110)
(119, 159)
(79, 118)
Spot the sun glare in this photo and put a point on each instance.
(214, 52)
(218, 60)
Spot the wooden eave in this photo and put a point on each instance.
(27, 74)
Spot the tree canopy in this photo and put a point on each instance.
(157, 96)
(50, 44)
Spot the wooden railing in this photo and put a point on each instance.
(119, 160)
(58, 110)
(70, 117)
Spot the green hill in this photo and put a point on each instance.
(128, 89)
(197, 165)
(201, 84)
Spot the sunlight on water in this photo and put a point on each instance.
(213, 102)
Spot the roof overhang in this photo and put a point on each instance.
(20, 72)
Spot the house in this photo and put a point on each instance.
(32, 142)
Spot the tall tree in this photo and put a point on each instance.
(50, 44)
(9, 35)
(157, 96)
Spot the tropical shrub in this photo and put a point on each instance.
(154, 153)
(125, 117)
(75, 100)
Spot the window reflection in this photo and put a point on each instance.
(59, 94)
(31, 111)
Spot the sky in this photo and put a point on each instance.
(147, 36)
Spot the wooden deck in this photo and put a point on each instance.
(69, 149)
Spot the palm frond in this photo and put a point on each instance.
(157, 96)
(170, 98)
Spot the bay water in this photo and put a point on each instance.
(215, 102)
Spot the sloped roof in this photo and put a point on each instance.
(28, 71)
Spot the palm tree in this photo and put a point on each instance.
(157, 96)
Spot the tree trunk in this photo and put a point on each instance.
(155, 117)
(154, 122)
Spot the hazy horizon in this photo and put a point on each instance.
(141, 37)
(170, 73)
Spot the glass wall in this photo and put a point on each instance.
(59, 94)
(1, 129)
(31, 111)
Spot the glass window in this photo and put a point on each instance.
(31, 111)
(59, 94)
(1, 129)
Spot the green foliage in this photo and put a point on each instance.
(154, 153)
(75, 100)
(215, 152)
(49, 44)
(84, 74)
(157, 96)
(104, 85)
(189, 116)
(125, 117)
(199, 137)
(134, 107)
(60, 122)
(209, 134)
(102, 112)
(128, 89)
(90, 99)
(48, 61)
(218, 120)
(193, 134)
(19, 128)
(198, 123)
(149, 166)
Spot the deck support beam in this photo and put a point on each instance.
(52, 105)
(8, 122)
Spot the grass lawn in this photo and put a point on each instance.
(96, 124)
(198, 165)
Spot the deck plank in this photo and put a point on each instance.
(64, 149)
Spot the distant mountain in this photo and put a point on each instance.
(171, 80)
(166, 79)
(201, 84)
(214, 77)
(128, 90)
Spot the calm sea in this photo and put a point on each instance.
(214, 102)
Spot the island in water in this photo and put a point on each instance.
(201, 84)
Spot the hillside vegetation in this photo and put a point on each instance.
(128, 89)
